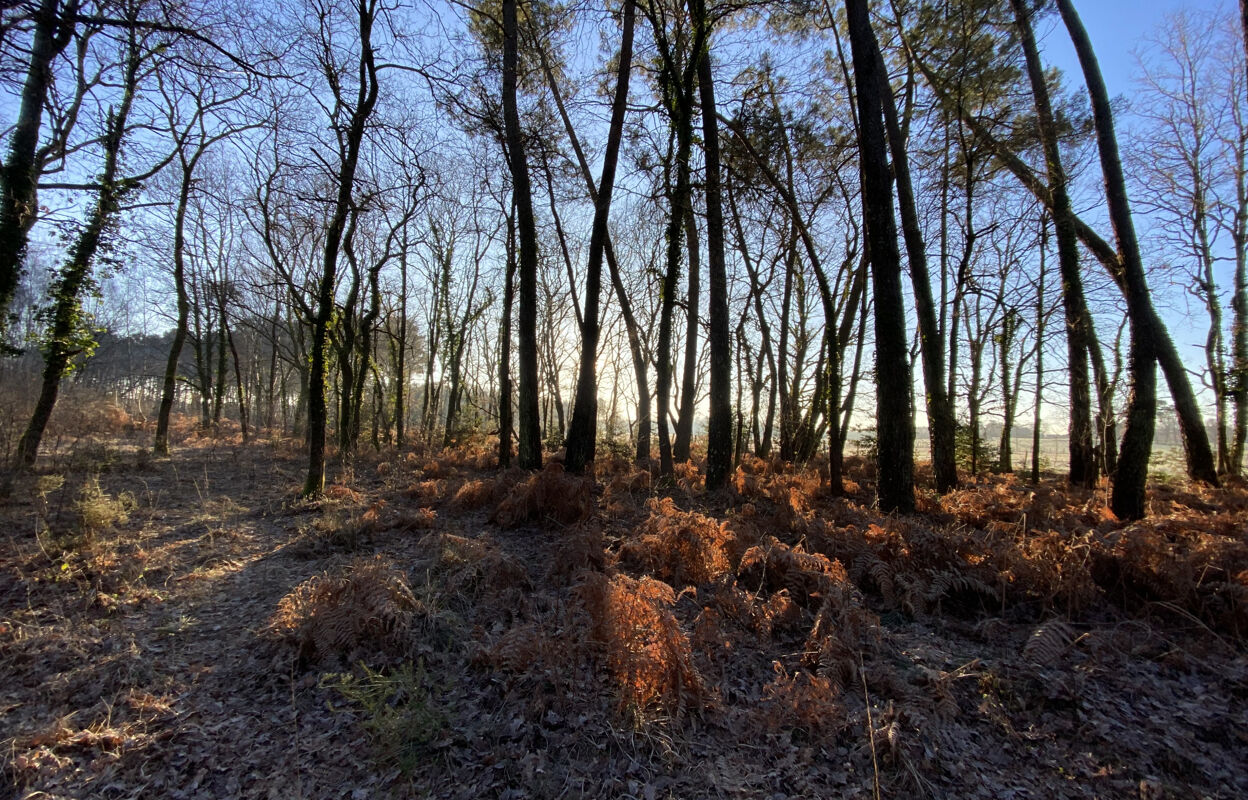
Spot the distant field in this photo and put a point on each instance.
(1167, 460)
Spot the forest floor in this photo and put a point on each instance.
(186, 627)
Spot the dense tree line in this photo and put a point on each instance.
(645, 224)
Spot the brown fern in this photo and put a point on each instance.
(1048, 643)
(550, 494)
(680, 547)
(367, 605)
(648, 655)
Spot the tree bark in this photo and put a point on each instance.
(1005, 461)
(318, 377)
(719, 426)
(64, 338)
(942, 426)
(583, 429)
(530, 450)
(505, 421)
(1083, 466)
(683, 443)
(894, 410)
(1128, 498)
(1197, 452)
(168, 387)
(1040, 326)
(20, 175)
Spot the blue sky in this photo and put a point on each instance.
(1116, 28)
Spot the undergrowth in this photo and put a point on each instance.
(367, 606)
(400, 715)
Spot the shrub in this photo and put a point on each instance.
(647, 653)
(367, 605)
(399, 716)
(550, 494)
(680, 546)
(97, 511)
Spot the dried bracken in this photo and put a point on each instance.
(801, 701)
(1048, 642)
(548, 495)
(368, 605)
(681, 547)
(774, 566)
(646, 652)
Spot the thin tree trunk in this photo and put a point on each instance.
(530, 451)
(682, 446)
(318, 377)
(400, 389)
(505, 427)
(1128, 498)
(894, 412)
(168, 384)
(239, 387)
(1040, 326)
(583, 430)
(682, 124)
(941, 424)
(1239, 300)
(763, 439)
(1005, 461)
(1083, 466)
(1198, 454)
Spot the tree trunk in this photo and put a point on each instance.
(505, 427)
(583, 430)
(1083, 466)
(1040, 325)
(678, 195)
(65, 337)
(1005, 461)
(719, 426)
(239, 384)
(1128, 499)
(941, 424)
(1197, 452)
(19, 177)
(894, 412)
(318, 377)
(1239, 303)
(682, 446)
(400, 388)
(530, 451)
(168, 384)
(763, 438)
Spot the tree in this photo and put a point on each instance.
(583, 431)
(1083, 466)
(530, 450)
(679, 45)
(941, 423)
(54, 30)
(67, 333)
(1199, 455)
(350, 118)
(1189, 172)
(719, 426)
(894, 417)
(1128, 500)
(209, 96)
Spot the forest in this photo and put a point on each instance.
(649, 399)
